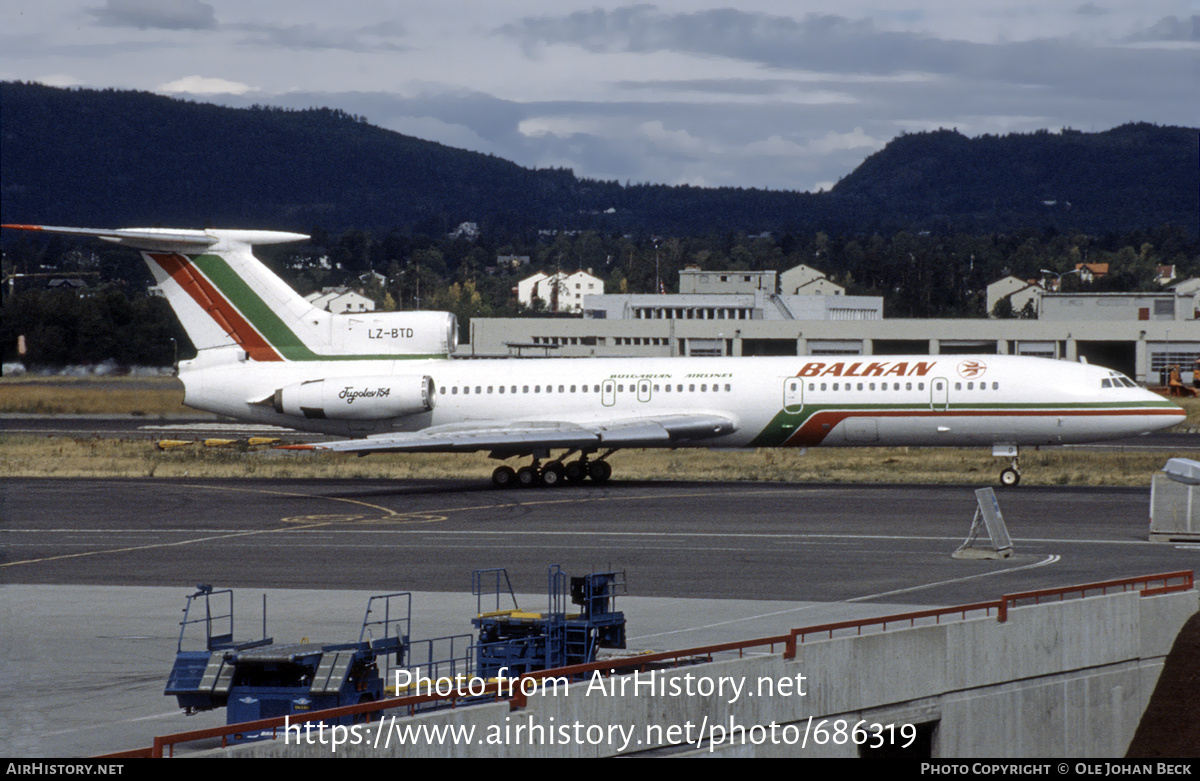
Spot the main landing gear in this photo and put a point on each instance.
(555, 473)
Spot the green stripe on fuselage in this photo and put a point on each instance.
(266, 322)
(785, 423)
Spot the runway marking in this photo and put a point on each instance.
(318, 528)
(368, 519)
(131, 549)
(312, 525)
(1051, 559)
(743, 619)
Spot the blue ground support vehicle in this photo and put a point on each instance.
(259, 679)
(523, 641)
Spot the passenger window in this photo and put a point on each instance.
(454, 391)
(692, 388)
(908, 386)
(524, 389)
(958, 386)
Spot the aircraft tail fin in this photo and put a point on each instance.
(226, 298)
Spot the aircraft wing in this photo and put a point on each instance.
(524, 436)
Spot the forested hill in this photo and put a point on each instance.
(1130, 177)
(117, 158)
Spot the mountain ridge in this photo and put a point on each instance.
(120, 158)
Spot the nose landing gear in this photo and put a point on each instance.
(1012, 475)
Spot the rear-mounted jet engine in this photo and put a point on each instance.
(356, 398)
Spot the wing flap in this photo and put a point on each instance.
(662, 431)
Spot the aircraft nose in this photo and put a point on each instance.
(1167, 413)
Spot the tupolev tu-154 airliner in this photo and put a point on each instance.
(386, 382)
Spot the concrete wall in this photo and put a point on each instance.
(1067, 679)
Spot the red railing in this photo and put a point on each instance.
(1169, 582)
(516, 691)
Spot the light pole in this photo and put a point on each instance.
(1058, 277)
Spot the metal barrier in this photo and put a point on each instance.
(1170, 582)
(514, 690)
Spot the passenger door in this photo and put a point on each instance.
(939, 394)
(793, 395)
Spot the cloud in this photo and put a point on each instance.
(60, 80)
(321, 37)
(204, 85)
(1171, 29)
(157, 14)
(815, 42)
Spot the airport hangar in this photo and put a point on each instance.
(1139, 334)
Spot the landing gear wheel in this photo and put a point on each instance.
(553, 475)
(576, 471)
(528, 476)
(599, 471)
(1010, 477)
(504, 477)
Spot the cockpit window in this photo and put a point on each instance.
(1117, 380)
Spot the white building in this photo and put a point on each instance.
(805, 280)
(340, 301)
(1017, 291)
(1178, 302)
(757, 305)
(558, 292)
(695, 281)
(740, 295)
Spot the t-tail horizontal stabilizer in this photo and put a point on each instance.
(170, 240)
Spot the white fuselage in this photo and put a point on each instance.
(790, 401)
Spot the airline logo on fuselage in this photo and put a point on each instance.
(969, 370)
(867, 369)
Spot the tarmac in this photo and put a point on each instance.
(82, 668)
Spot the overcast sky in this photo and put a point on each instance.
(775, 94)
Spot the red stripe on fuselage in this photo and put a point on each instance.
(813, 431)
(216, 306)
